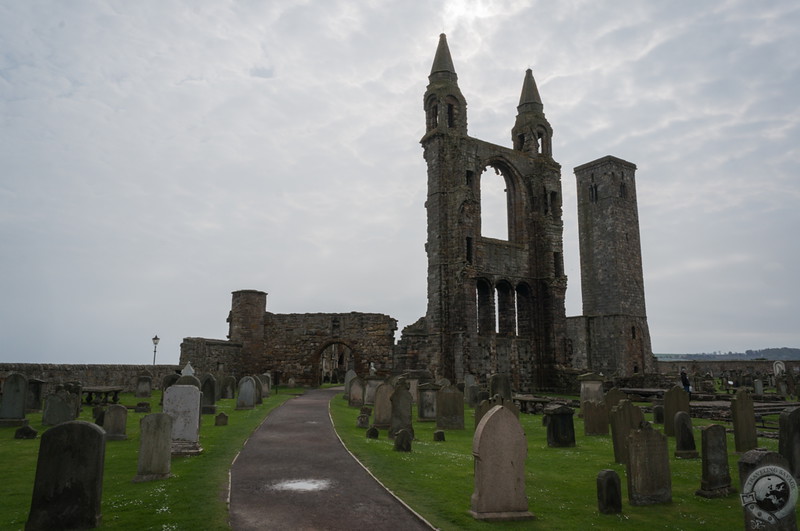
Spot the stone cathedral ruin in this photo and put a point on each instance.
(494, 305)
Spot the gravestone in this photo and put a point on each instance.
(362, 421)
(25, 432)
(166, 382)
(716, 480)
(144, 386)
(684, 437)
(625, 418)
(470, 380)
(758, 387)
(372, 383)
(182, 403)
(426, 401)
(488, 404)
(499, 450)
(155, 448)
(609, 492)
(744, 422)
(221, 419)
(450, 408)
(356, 392)
(768, 491)
(649, 479)
(789, 438)
(438, 436)
(402, 440)
(591, 387)
(471, 392)
(266, 384)
(658, 414)
(67, 490)
(348, 378)
(56, 410)
(246, 397)
(560, 426)
(142, 407)
(228, 387)
(208, 387)
(14, 400)
(259, 390)
(401, 412)
(675, 399)
(499, 384)
(116, 423)
(595, 418)
(383, 406)
(373, 433)
(35, 389)
(188, 370)
(612, 399)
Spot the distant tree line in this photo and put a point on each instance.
(782, 353)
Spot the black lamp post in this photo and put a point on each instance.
(155, 346)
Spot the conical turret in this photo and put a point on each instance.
(532, 132)
(445, 106)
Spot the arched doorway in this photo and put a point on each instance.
(332, 360)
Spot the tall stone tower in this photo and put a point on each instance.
(246, 326)
(612, 284)
(494, 305)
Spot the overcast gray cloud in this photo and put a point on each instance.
(159, 155)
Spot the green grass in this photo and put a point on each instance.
(436, 479)
(194, 498)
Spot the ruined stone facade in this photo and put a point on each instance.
(304, 347)
(494, 305)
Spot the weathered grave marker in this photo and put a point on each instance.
(595, 418)
(675, 399)
(685, 447)
(383, 406)
(116, 423)
(402, 440)
(155, 453)
(67, 490)
(744, 422)
(426, 401)
(789, 438)
(450, 408)
(401, 412)
(208, 386)
(56, 410)
(356, 392)
(609, 492)
(13, 400)
(144, 386)
(499, 384)
(246, 397)
(560, 426)
(716, 480)
(182, 403)
(499, 450)
(625, 417)
(649, 479)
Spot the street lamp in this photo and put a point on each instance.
(155, 346)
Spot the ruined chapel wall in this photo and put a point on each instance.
(214, 356)
(89, 375)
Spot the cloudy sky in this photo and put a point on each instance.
(158, 155)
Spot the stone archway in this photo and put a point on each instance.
(332, 355)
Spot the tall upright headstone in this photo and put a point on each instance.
(450, 408)
(499, 384)
(744, 422)
(595, 418)
(382, 412)
(155, 452)
(68, 488)
(768, 491)
(649, 479)
(208, 386)
(246, 397)
(591, 387)
(372, 382)
(609, 492)
(499, 450)
(789, 438)
(675, 399)
(56, 410)
(357, 390)
(348, 378)
(13, 400)
(182, 403)
(624, 418)
(144, 386)
(560, 426)
(716, 480)
(685, 447)
(612, 399)
(427, 394)
(228, 387)
(402, 405)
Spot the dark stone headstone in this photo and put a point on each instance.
(67, 491)
(56, 410)
(609, 492)
(208, 386)
(450, 408)
(25, 432)
(14, 400)
(472, 392)
(716, 480)
(483, 394)
(789, 438)
(438, 435)
(675, 399)
(595, 418)
(649, 479)
(401, 412)
(560, 426)
(426, 401)
(744, 422)
(142, 407)
(116, 423)
(768, 491)
(189, 379)
(373, 433)
(625, 417)
(383, 405)
(684, 437)
(356, 397)
(402, 441)
(499, 384)
(658, 414)
(362, 421)
(228, 387)
(221, 419)
(612, 399)
(144, 386)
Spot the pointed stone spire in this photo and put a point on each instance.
(529, 99)
(442, 61)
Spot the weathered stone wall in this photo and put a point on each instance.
(89, 375)
(214, 356)
(716, 368)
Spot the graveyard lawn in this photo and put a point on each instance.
(436, 478)
(195, 497)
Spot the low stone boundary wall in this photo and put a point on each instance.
(89, 375)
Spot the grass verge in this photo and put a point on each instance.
(436, 479)
(194, 498)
